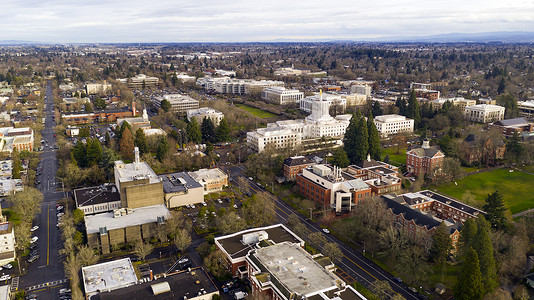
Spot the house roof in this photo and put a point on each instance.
(297, 161)
(512, 122)
(428, 152)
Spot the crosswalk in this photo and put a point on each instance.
(47, 284)
(15, 284)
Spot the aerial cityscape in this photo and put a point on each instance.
(266, 151)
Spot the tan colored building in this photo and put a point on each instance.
(457, 101)
(181, 189)
(213, 180)
(179, 103)
(7, 241)
(484, 113)
(137, 183)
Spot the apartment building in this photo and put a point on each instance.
(393, 124)
(484, 113)
(424, 159)
(281, 96)
(179, 103)
(205, 112)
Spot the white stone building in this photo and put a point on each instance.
(205, 112)
(179, 103)
(484, 113)
(281, 96)
(291, 133)
(226, 85)
(393, 124)
(526, 108)
(306, 104)
(95, 88)
(456, 101)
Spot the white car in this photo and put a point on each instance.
(8, 266)
(34, 239)
(5, 277)
(204, 203)
(34, 228)
(192, 206)
(325, 230)
(219, 200)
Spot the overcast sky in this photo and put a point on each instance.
(253, 20)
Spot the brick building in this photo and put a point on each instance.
(509, 126)
(99, 116)
(294, 166)
(481, 149)
(381, 177)
(424, 159)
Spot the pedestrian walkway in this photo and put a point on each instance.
(46, 284)
(15, 283)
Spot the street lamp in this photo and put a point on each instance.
(311, 219)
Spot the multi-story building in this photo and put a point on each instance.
(142, 81)
(332, 188)
(393, 124)
(381, 177)
(427, 94)
(7, 241)
(306, 104)
(179, 103)
(213, 180)
(181, 189)
(205, 112)
(97, 199)
(97, 88)
(457, 101)
(142, 122)
(481, 149)
(272, 258)
(361, 89)
(137, 183)
(355, 99)
(226, 85)
(484, 113)
(526, 108)
(16, 138)
(292, 133)
(290, 72)
(281, 96)
(99, 116)
(294, 165)
(509, 126)
(424, 159)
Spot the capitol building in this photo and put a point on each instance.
(292, 133)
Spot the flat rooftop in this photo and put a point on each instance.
(178, 182)
(110, 275)
(207, 174)
(295, 269)
(235, 248)
(136, 216)
(96, 195)
(135, 171)
(183, 285)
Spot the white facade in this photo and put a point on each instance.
(226, 85)
(139, 80)
(281, 96)
(484, 113)
(526, 108)
(393, 124)
(95, 88)
(361, 89)
(355, 99)
(291, 133)
(306, 104)
(205, 112)
(456, 101)
(179, 103)
(16, 138)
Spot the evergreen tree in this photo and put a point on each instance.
(208, 130)
(469, 285)
(376, 109)
(79, 153)
(165, 105)
(467, 235)
(140, 141)
(126, 144)
(94, 152)
(484, 249)
(441, 244)
(15, 172)
(514, 148)
(223, 131)
(163, 147)
(413, 111)
(502, 86)
(510, 103)
(193, 131)
(362, 141)
(401, 104)
(495, 209)
(340, 158)
(349, 139)
(107, 140)
(387, 159)
(374, 139)
(124, 126)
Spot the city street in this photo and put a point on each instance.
(49, 268)
(354, 266)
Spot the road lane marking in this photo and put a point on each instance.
(48, 237)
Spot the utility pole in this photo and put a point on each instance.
(311, 219)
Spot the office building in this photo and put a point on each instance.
(484, 113)
(306, 104)
(361, 89)
(281, 96)
(213, 180)
(457, 102)
(381, 177)
(108, 276)
(294, 165)
(16, 138)
(526, 108)
(97, 199)
(142, 81)
(97, 88)
(181, 189)
(424, 159)
(179, 103)
(205, 112)
(393, 124)
(226, 85)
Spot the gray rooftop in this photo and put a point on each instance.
(178, 182)
(96, 194)
(295, 269)
(134, 171)
(108, 276)
(135, 216)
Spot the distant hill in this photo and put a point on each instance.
(481, 37)
(16, 42)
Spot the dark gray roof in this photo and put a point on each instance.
(416, 215)
(298, 161)
(428, 152)
(368, 163)
(452, 202)
(178, 182)
(512, 122)
(96, 195)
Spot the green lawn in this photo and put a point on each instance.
(256, 111)
(393, 156)
(516, 188)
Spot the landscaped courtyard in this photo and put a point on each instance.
(256, 111)
(516, 188)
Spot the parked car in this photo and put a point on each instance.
(5, 277)
(34, 239)
(183, 260)
(397, 279)
(34, 228)
(325, 230)
(33, 258)
(8, 266)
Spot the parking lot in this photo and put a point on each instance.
(209, 209)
